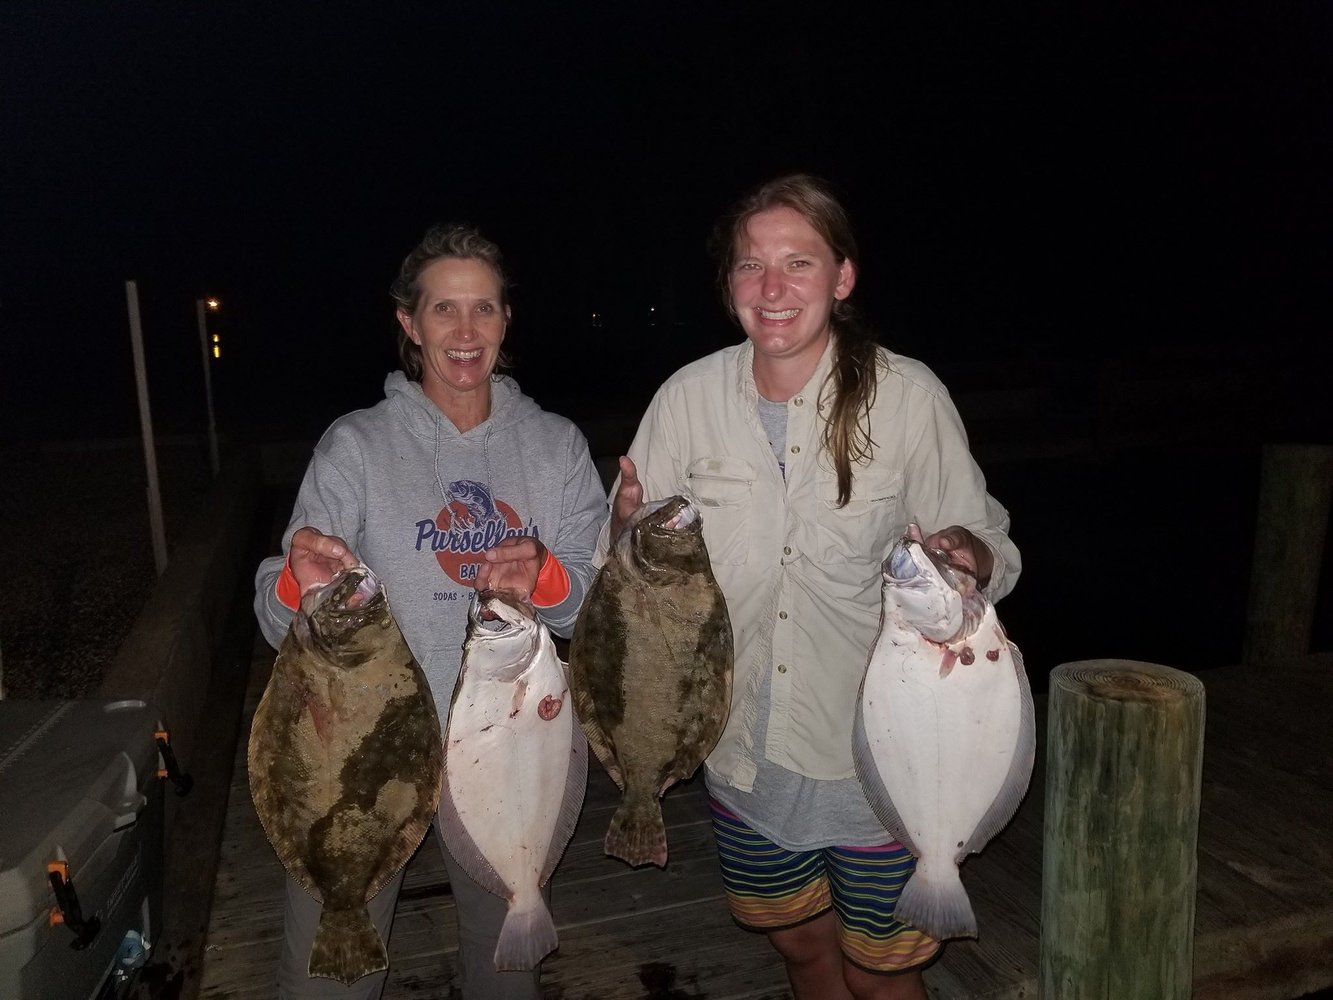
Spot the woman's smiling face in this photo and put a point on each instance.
(459, 324)
(784, 282)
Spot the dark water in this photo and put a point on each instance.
(1143, 554)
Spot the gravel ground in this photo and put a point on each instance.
(77, 546)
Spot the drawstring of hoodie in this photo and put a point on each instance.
(439, 483)
(486, 455)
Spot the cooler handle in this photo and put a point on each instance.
(67, 910)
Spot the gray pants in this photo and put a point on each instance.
(480, 915)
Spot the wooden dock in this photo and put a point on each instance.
(1264, 926)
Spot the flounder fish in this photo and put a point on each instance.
(345, 759)
(944, 737)
(515, 769)
(650, 662)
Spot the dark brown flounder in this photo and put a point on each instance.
(345, 758)
(650, 668)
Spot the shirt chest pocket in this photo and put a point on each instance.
(723, 490)
(860, 530)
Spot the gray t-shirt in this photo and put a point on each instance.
(795, 812)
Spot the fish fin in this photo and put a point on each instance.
(526, 937)
(947, 660)
(576, 787)
(520, 693)
(934, 901)
(637, 834)
(873, 785)
(600, 741)
(1015, 785)
(346, 946)
(462, 847)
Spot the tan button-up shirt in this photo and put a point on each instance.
(800, 574)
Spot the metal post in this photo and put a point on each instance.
(208, 384)
(146, 425)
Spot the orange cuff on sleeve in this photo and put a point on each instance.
(552, 583)
(288, 590)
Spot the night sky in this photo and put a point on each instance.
(1028, 180)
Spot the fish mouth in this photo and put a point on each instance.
(672, 514)
(903, 568)
(331, 616)
(902, 565)
(498, 611)
(491, 624)
(350, 590)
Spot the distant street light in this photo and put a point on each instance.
(200, 305)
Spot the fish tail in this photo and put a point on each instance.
(637, 835)
(934, 901)
(346, 946)
(526, 937)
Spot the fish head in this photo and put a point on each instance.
(664, 540)
(928, 593)
(343, 621)
(503, 635)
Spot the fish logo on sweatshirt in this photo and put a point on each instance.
(471, 521)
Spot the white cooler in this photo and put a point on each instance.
(80, 846)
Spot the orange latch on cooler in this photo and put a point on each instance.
(57, 871)
(167, 766)
(163, 739)
(67, 910)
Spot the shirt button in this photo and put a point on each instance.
(796, 449)
(786, 550)
(782, 668)
(782, 615)
(799, 401)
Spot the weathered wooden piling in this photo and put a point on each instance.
(1295, 487)
(1124, 760)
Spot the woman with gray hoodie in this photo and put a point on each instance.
(454, 481)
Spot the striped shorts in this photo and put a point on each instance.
(770, 888)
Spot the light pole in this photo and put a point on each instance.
(201, 308)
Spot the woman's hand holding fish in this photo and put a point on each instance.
(316, 558)
(512, 565)
(964, 550)
(629, 497)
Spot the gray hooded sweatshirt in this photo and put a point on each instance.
(419, 501)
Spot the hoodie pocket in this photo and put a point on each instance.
(721, 488)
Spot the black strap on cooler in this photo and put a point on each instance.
(67, 911)
(170, 768)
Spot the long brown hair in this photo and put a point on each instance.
(456, 240)
(851, 385)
